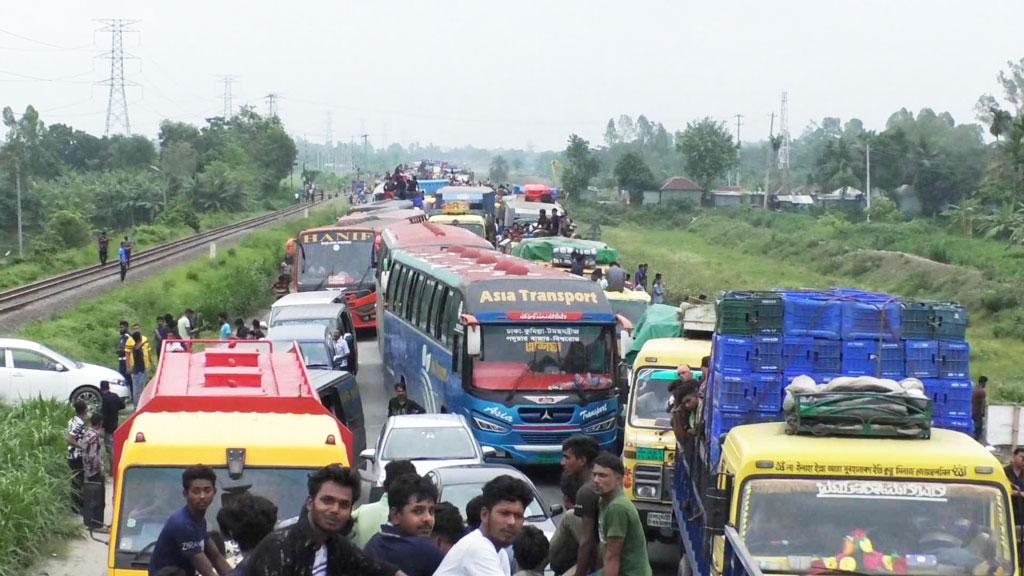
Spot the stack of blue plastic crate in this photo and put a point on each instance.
(765, 339)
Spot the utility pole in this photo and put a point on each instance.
(329, 143)
(768, 161)
(228, 80)
(867, 155)
(739, 122)
(366, 153)
(117, 101)
(784, 147)
(17, 185)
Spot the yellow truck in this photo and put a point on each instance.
(649, 446)
(249, 413)
(805, 504)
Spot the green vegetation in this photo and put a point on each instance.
(73, 184)
(237, 282)
(35, 488)
(704, 252)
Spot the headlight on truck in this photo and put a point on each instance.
(488, 426)
(647, 482)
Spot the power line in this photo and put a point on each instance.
(117, 101)
(55, 47)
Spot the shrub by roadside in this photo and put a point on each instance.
(34, 482)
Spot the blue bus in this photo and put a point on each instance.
(527, 353)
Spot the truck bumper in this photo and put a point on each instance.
(658, 520)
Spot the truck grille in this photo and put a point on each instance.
(550, 415)
(542, 438)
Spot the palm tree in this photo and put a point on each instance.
(1001, 120)
(964, 214)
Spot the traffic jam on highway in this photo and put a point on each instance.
(787, 431)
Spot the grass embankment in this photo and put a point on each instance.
(35, 489)
(237, 281)
(703, 253)
(42, 265)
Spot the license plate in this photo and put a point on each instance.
(654, 454)
(549, 458)
(659, 519)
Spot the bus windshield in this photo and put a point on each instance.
(800, 525)
(336, 264)
(473, 227)
(151, 494)
(545, 357)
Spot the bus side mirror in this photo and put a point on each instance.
(473, 340)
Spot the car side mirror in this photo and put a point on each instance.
(489, 452)
(556, 509)
(473, 340)
(366, 460)
(59, 367)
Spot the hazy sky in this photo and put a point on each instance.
(509, 74)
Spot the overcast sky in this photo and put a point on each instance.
(509, 74)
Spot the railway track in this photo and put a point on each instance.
(17, 298)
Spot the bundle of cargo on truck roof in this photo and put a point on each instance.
(766, 339)
(858, 406)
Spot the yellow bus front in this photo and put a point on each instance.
(472, 222)
(269, 455)
(803, 504)
(649, 445)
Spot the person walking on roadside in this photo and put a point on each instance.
(640, 277)
(658, 290)
(483, 552)
(110, 407)
(401, 404)
(122, 352)
(257, 330)
(623, 543)
(184, 542)
(367, 519)
(93, 488)
(128, 251)
(159, 334)
(241, 330)
(185, 325)
(616, 278)
(122, 259)
(103, 244)
(140, 359)
(225, 326)
(979, 404)
(316, 545)
(75, 433)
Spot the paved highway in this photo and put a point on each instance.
(375, 391)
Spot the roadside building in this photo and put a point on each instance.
(675, 189)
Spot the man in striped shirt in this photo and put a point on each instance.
(75, 432)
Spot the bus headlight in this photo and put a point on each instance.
(602, 426)
(646, 491)
(488, 426)
(647, 481)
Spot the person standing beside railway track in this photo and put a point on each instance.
(122, 259)
(103, 243)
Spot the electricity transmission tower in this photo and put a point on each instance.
(271, 104)
(228, 80)
(784, 144)
(117, 101)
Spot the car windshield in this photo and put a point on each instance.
(150, 495)
(460, 495)
(60, 357)
(545, 357)
(429, 443)
(631, 309)
(477, 229)
(795, 525)
(314, 354)
(650, 403)
(335, 264)
(319, 321)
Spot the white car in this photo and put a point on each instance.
(29, 370)
(429, 440)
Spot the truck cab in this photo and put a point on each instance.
(251, 414)
(649, 446)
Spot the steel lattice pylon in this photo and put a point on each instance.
(117, 100)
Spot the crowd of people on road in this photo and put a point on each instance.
(408, 531)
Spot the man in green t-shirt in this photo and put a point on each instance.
(623, 545)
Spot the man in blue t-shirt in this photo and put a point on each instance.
(405, 539)
(183, 542)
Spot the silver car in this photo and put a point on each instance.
(429, 440)
(459, 484)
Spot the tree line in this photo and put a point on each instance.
(74, 183)
(949, 166)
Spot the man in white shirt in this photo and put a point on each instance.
(341, 350)
(482, 551)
